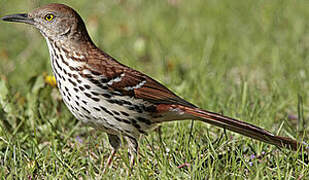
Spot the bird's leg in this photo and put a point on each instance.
(115, 142)
(133, 149)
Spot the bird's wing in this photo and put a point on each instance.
(136, 84)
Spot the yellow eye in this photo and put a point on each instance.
(49, 17)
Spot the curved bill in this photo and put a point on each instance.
(23, 18)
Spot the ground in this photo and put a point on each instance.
(244, 59)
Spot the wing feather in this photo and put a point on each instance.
(137, 84)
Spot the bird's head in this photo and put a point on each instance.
(54, 21)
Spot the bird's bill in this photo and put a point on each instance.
(23, 18)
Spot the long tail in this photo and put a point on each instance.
(241, 127)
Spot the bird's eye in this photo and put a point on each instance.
(49, 17)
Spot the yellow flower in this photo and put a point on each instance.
(51, 80)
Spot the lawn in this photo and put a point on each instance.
(244, 59)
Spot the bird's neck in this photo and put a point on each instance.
(71, 47)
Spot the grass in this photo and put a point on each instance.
(245, 59)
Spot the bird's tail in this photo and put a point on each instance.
(237, 126)
(243, 128)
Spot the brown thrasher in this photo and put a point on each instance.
(112, 97)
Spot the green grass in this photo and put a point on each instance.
(245, 59)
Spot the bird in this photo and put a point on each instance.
(112, 97)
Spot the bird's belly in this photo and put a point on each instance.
(100, 108)
(110, 113)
